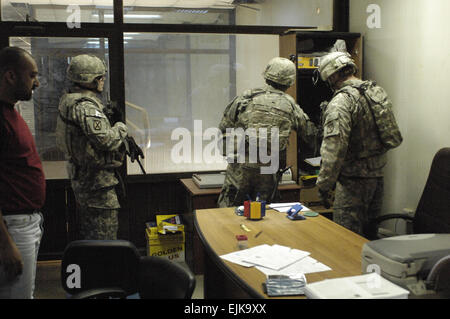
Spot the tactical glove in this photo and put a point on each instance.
(134, 151)
(325, 198)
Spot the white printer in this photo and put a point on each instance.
(410, 261)
(209, 180)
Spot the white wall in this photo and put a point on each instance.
(410, 57)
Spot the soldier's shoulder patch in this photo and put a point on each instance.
(331, 127)
(97, 125)
(93, 111)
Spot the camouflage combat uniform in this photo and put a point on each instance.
(353, 159)
(264, 107)
(94, 149)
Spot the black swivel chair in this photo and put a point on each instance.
(433, 211)
(114, 269)
(160, 278)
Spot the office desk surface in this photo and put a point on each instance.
(202, 198)
(328, 242)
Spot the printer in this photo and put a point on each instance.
(209, 180)
(419, 263)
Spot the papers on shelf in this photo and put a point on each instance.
(314, 161)
(276, 260)
(284, 207)
(368, 286)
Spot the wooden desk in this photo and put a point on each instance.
(201, 198)
(207, 197)
(329, 243)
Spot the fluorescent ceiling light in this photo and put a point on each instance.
(142, 16)
(132, 16)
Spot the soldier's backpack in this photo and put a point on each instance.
(381, 107)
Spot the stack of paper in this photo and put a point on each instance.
(307, 265)
(369, 286)
(315, 161)
(284, 207)
(276, 260)
(281, 285)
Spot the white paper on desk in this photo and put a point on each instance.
(277, 205)
(238, 257)
(305, 265)
(284, 207)
(275, 257)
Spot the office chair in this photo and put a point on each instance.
(114, 269)
(433, 211)
(161, 278)
(100, 269)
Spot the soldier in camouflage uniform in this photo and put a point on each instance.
(353, 156)
(266, 107)
(93, 147)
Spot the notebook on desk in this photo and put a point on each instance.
(208, 180)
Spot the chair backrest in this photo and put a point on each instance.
(93, 264)
(160, 278)
(433, 211)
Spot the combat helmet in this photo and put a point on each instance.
(333, 62)
(85, 68)
(281, 71)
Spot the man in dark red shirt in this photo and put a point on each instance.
(22, 181)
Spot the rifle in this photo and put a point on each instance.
(133, 150)
(278, 175)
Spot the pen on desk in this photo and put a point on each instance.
(258, 234)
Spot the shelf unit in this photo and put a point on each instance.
(308, 95)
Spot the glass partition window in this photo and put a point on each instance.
(294, 13)
(72, 12)
(177, 87)
(179, 12)
(53, 56)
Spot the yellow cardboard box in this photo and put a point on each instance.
(169, 224)
(170, 246)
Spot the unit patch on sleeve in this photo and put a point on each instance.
(97, 125)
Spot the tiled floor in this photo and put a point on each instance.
(48, 282)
